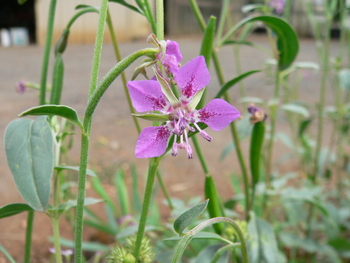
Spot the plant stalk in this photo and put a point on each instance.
(29, 232)
(152, 171)
(46, 58)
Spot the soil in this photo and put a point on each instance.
(113, 133)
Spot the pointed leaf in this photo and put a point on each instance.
(187, 217)
(166, 89)
(74, 168)
(7, 254)
(233, 81)
(122, 2)
(30, 155)
(296, 109)
(14, 209)
(251, 7)
(122, 192)
(58, 110)
(287, 40)
(208, 40)
(152, 116)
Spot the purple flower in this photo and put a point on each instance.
(278, 5)
(257, 114)
(21, 87)
(180, 115)
(171, 58)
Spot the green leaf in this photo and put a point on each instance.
(251, 100)
(295, 108)
(29, 147)
(7, 254)
(188, 216)
(122, 2)
(100, 190)
(74, 168)
(122, 192)
(14, 209)
(85, 6)
(206, 51)
(287, 40)
(215, 208)
(208, 40)
(166, 89)
(233, 81)
(251, 7)
(58, 110)
(21, 2)
(256, 143)
(152, 116)
(262, 244)
(86, 246)
(344, 79)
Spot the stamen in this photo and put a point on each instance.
(174, 147)
(204, 134)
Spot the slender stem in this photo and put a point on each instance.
(56, 235)
(160, 19)
(165, 191)
(149, 15)
(46, 58)
(98, 46)
(220, 75)
(84, 152)
(200, 156)
(29, 232)
(273, 129)
(152, 171)
(124, 80)
(321, 104)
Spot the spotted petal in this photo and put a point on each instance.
(152, 142)
(218, 114)
(193, 77)
(146, 95)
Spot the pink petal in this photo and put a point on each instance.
(172, 48)
(218, 114)
(171, 63)
(146, 95)
(152, 142)
(193, 76)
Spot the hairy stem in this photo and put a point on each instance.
(29, 232)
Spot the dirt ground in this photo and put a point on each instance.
(113, 133)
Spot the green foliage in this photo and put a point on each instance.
(29, 151)
(14, 209)
(188, 216)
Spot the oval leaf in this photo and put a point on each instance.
(58, 110)
(30, 155)
(188, 216)
(14, 209)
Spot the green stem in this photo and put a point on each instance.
(98, 46)
(149, 15)
(321, 104)
(160, 19)
(56, 236)
(221, 78)
(200, 155)
(152, 171)
(165, 191)
(29, 232)
(46, 58)
(124, 80)
(273, 129)
(85, 139)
